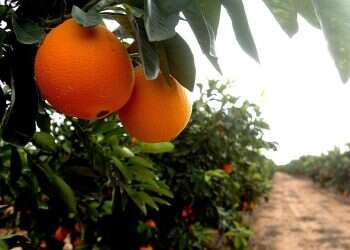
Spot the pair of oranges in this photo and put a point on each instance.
(87, 73)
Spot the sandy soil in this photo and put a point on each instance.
(301, 216)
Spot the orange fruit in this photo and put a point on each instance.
(83, 72)
(149, 247)
(157, 110)
(186, 212)
(151, 223)
(60, 234)
(77, 242)
(253, 205)
(228, 168)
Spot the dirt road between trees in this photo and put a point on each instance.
(301, 216)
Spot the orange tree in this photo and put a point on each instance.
(209, 199)
(36, 175)
(329, 170)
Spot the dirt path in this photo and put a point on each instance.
(300, 216)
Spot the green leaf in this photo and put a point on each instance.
(63, 191)
(161, 201)
(156, 148)
(86, 19)
(2, 104)
(160, 25)
(19, 123)
(16, 166)
(27, 31)
(139, 161)
(306, 9)
(203, 32)
(125, 29)
(180, 61)
(122, 168)
(102, 127)
(144, 175)
(3, 245)
(45, 141)
(44, 122)
(148, 200)
(211, 10)
(236, 11)
(335, 21)
(171, 6)
(285, 13)
(107, 207)
(161, 189)
(3, 10)
(123, 152)
(135, 197)
(148, 54)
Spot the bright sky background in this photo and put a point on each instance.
(296, 84)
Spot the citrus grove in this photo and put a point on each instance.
(101, 147)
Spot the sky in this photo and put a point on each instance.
(296, 84)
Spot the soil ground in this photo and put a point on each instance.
(301, 216)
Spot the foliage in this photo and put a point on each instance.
(94, 182)
(148, 29)
(83, 173)
(329, 170)
(207, 200)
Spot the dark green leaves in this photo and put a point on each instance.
(235, 9)
(19, 125)
(204, 33)
(307, 11)
(61, 189)
(147, 52)
(335, 20)
(16, 165)
(332, 16)
(160, 25)
(211, 10)
(27, 31)
(2, 104)
(156, 148)
(285, 13)
(86, 19)
(3, 245)
(179, 61)
(45, 141)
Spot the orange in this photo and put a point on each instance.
(83, 72)
(60, 234)
(228, 168)
(151, 223)
(158, 110)
(253, 205)
(149, 247)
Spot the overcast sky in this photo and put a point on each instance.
(296, 83)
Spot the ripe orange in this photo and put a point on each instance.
(157, 111)
(60, 234)
(151, 223)
(149, 247)
(186, 212)
(228, 168)
(253, 205)
(83, 72)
